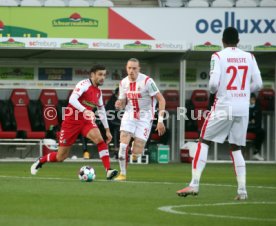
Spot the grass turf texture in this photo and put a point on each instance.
(56, 196)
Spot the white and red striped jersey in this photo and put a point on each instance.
(140, 96)
(234, 73)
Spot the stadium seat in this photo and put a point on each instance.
(191, 131)
(106, 95)
(246, 3)
(8, 3)
(174, 3)
(7, 134)
(7, 122)
(222, 3)
(266, 97)
(200, 102)
(49, 102)
(191, 135)
(198, 3)
(268, 3)
(30, 3)
(54, 3)
(250, 136)
(20, 101)
(79, 3)
(103, 3)
(172, 99)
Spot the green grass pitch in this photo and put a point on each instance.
(56, 197)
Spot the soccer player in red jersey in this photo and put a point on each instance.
(79, 118)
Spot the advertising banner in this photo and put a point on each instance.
(57, 74)
(54, 22)
(16, 73)
(203, 27)
(136, 29)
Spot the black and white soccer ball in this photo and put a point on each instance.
(87, 174)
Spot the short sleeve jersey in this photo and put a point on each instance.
(233, 69)
(140, 96)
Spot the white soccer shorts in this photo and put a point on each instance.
(218, 128)
(138, 128)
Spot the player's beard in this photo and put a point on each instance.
(100, 82)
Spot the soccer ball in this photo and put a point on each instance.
(87, 174)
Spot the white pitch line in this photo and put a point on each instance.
(170, 209)
(133, 182)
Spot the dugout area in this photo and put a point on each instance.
(183, 72)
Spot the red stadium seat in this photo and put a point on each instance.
(266, 98)
(7, 134)
(106, 95)
(154, 137)
(49, 101)
(172, 99)
(250, 136)
(200, 102)
(20, 101)
(191, 135)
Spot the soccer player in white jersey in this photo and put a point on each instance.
(233, 75)
(138, 94)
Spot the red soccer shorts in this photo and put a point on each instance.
(70, 130)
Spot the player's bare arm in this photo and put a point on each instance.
(108, 135)
(161, 106)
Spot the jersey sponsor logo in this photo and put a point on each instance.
(88, 103)
(250, 25)
(132, 95)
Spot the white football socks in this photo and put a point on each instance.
(199, 163)
(122, 158)
(240, 170)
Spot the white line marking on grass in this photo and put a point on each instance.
(133, 182)
(171, 209)
(37, 178)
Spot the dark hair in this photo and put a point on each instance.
(230, 36)
(253, 95)
(97, 67)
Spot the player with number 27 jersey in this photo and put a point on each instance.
(232, 71)
(234, 74)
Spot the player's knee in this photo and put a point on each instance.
(61, 157)
(125, 137)
(138, 146)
